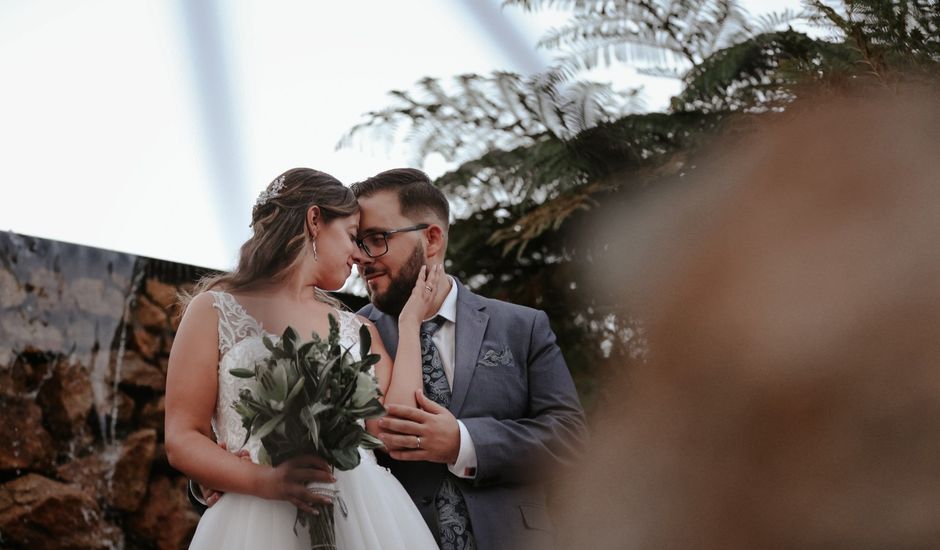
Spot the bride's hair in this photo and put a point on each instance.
(278, 221)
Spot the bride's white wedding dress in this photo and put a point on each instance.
(380, 515)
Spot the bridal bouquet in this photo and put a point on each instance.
(310, 398)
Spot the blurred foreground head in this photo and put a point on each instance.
(792, 393)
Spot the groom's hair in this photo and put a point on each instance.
(417, 196)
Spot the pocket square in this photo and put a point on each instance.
(496, 358)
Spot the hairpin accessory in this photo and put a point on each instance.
(271, 192)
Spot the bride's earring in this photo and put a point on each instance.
(314, 244)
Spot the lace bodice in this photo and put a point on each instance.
(240, 345)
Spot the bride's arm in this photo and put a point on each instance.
(191, 393)
(400, 381)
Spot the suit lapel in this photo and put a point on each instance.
(470, 328)
(388, 330)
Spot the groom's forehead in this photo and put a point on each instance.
(380, 211)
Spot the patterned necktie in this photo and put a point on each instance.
(452, 515)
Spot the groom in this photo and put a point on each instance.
(502, 415)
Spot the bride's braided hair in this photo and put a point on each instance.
(279, 230)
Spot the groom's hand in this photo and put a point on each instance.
(433, 424)
(211, 496)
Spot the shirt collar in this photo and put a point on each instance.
(449, 306)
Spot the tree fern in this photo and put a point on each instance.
(473, 114)
(664, 34)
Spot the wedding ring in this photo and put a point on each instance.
(427, 288)
(418, 438)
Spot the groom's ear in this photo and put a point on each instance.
(437, 240)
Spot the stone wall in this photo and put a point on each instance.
(85, 335)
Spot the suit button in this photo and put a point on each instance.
(426, 501)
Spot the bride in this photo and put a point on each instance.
(304, 240)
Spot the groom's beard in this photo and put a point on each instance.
(393, 300)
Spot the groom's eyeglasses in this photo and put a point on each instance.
(376, 244)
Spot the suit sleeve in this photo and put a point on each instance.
(550, 436)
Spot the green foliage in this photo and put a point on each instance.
(662, 36)
(541, 157)
(760, 73)
(481, 113)
(309, 398)
(892, 39)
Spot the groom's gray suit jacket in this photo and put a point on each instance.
(513, 392)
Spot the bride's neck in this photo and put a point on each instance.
(296, 288)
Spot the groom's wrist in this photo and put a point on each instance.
(465, 465)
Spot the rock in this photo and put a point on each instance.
(88, 474)
(37, 512)
(93, 296)
(26, 373)
(79, 444)
(138, 373)
(24, 443)
(66, 398)
(132, 470)
(166, 517)
(12, 293)
(22, 333)
(6, 364)
(148, 314)
(82, 333)
(47, 286)
(46, 282)
(163, 294)
(125, 408)
(121, 404)
(145, 342)
(152, 415)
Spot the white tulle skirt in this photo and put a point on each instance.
(380, 516)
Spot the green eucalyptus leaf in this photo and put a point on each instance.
(242, 373)
(281, 382)
(310, 422)
(365, 341)
(368, 361)
(366, 388)
(268, 343)
(369, 442)
(303, 352)
(268, 426)
(264, 457)
(296, 390)
(346, 458)
(251, 422)
(289, 340)
(334, 330)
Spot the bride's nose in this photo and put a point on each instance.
(359, 257)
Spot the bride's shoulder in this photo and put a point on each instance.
(350, 318)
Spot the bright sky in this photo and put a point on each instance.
(150, 127)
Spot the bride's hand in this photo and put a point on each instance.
(288, 481)
(423, 301)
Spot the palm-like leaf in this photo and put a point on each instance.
(659, 35)
(759, 73)
(479, 113)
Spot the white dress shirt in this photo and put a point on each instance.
(446, 341)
